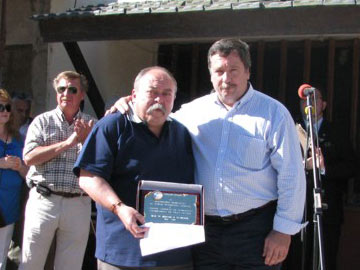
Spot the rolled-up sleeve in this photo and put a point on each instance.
(291, 183)
(34, 136)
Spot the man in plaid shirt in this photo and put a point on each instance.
(56, 205)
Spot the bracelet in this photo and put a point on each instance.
(114, 205)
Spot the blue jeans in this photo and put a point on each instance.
(235, 245)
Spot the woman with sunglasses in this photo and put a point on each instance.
(12, 175)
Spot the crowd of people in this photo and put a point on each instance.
(241, 145)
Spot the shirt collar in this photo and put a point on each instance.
(132, 116)
(61, 115)
(244, 99)
(317, 124)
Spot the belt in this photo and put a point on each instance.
(240, 216)
(46, 192)
(68, 194)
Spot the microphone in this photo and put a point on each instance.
(306, 110)
(305, 90)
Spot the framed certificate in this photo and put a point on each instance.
(165, 202)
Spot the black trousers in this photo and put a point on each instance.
(235, 245)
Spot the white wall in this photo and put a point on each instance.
(113, 64)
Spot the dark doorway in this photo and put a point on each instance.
(278, 69)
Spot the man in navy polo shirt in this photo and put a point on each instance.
(124, 149)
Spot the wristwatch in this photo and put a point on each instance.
(115, 205)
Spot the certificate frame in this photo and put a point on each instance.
(177, 203)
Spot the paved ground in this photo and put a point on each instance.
(349, 255)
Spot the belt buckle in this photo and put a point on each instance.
(228, 218)
(43, 190)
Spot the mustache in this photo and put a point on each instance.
(154, 107)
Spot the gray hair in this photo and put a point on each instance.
(144, 71)
(72, 75)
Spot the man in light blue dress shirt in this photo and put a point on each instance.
(248, 158)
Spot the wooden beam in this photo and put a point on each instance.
(205, 24)
(260, 65)
(174, 59)
(81, 66)
(307, 60)
(330, 79)
(194, 71)
(2, 37)
(283, 69)
(355, 93)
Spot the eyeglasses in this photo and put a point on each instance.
(6, 107)
(72, 89)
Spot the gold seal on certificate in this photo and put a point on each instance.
(157, 195)
(164, 202)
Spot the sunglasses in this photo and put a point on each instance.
(72, 89)
(6, 107)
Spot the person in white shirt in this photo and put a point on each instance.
(248, 158)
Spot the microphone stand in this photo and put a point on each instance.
(318, 244)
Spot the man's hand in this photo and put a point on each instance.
(121, 105)
(72, 140)
(82, 129)
(276, 247)
(320, 164)
(101, 192)
(130, 217)
(42, 154)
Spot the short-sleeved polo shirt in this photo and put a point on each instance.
(124, 152)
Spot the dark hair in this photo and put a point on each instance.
(227, 45)
(22, 96)
(144, 71)
(72, 75)
(320, 88)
